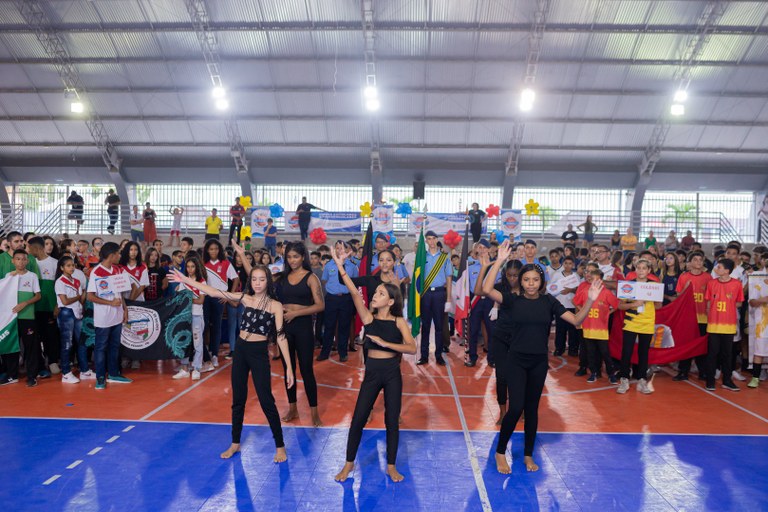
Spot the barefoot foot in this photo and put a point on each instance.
(394, 474)
(280, 455)
(233, 449)
(530, 465)
(502, 466)
(316, 417)
(345, 471)
(292, 414)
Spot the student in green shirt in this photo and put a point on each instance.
(15, 242)
(44, 308)
(650, 241)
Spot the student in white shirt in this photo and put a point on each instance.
(70, 296)
(564, 329)
(109, 314)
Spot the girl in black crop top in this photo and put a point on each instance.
(387, 336)
(263, 318)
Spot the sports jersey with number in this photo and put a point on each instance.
(722, 298)
(219, 272)
(595, 325)
(699, 287)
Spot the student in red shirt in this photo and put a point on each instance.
(236, 213)
(697, 278)
(595, 325)
(724, 297)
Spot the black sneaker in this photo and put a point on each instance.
(422, 361)
(680, 377)
(343, 359)
(321, 357)
(31, 383)
(592, 378)
(730, 386)
(710, 386)
(440, 360)
(581, 372)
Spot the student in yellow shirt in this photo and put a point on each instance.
(628, 242)
(213, 226)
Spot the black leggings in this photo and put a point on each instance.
(628, 346)
(379, 374)
(719, 349)
(598, 352)
(526, 374)
(301, 342)
(253, 358)
(499, 349)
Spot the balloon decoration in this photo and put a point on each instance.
(276, 211)
(404, 209)
(531, 207)
(245, 232)
(391, 238)
(365, 209)
(500, 235)
(318, 236)
(493, 210)
(245, 202)
(452, 239)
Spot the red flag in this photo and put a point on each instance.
(460, 290)
(680, 316)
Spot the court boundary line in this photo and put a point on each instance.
(553, 432)
(473, 462)
(190, 388)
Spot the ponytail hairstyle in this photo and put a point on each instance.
(60, 266)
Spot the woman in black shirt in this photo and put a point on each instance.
(529, 317)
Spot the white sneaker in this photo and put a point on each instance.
(54, 369)
(207, 367)
(135, 365)
(181, 374)
(642, 387)
(215, 361)
(89, 375)
(717, 374)
(623, 386)
(69, 379)
(195, 375)
(737, 376)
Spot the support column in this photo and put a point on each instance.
(510, 181)
(5, 200)
(245, 183)
(638, 196)
(377, 180)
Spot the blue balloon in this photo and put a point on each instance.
(392, 238)
(276, 211)
(500, 236)
(404, 209)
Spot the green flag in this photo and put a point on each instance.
(417, 286)
(9, 336)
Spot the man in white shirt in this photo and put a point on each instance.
(137, 225)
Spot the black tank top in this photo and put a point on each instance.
(299, 293)
(386, 330)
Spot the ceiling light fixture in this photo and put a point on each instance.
(527, 97)
(76, 107)
(372, 104)
(222, 103)
(677, 109)
(681, 95)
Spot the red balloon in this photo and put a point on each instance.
(493, 210)
(452, 239)
(318, 236)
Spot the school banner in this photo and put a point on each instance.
(259, 216)
(758, 316)
(511, 223)
(156, 330)
(9, 334)
(440, 223)
(383, 218)
(331, 222)
(677, 333)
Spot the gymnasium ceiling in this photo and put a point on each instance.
(449, 75)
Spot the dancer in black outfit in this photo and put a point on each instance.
(387, 336)
(263, 317)
(301, 294)
(530, 315)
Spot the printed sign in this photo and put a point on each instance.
(440, 223)
(558, 285)
(632, 290)
(383, 218)
(259, 218)
(511, 223)
(331, 222)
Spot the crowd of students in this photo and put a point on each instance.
(307, 300)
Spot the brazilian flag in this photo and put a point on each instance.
(417, 285)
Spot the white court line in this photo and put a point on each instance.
(95, 451)
(713, 394)
(74, 464)
(128, 428)
(51, 480)
(113, 439)
(169, 402)
(479, 482)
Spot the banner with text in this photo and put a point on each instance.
(440, 223)
(259, 216)
(383, 218)
(511, 223)
(331, 222)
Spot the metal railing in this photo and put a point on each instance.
(548, 224)
(11, 218)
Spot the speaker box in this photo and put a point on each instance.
(418, 189)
